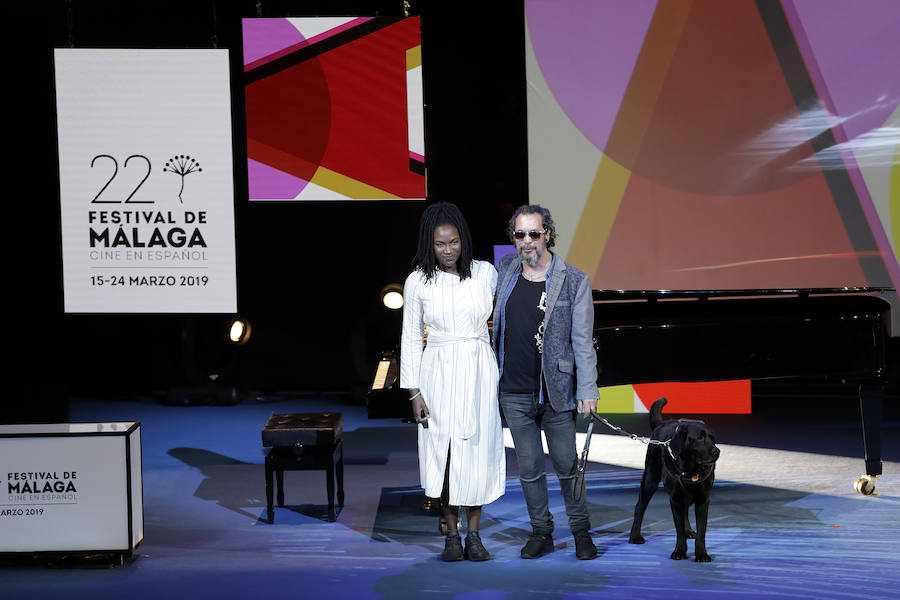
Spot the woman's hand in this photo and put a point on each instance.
(419, 408)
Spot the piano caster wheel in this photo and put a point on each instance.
(865, 485)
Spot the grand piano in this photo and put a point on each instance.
(648, 336)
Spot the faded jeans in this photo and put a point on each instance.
(525, 418)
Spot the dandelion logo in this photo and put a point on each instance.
(182, 165)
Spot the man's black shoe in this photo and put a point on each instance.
(538, 545)
(584, 546)
(453, 550)
(475, 550)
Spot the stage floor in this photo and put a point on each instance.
(784, 519)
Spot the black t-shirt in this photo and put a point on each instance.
(521, 361)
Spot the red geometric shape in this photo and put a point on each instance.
(671, 239)
(724, 121)
(290, 111)
(716, 397)
(368, 139)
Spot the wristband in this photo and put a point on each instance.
(414, 396)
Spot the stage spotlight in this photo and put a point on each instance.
(392, 296)
(239, 331)
(210, 355)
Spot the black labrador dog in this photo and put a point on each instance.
(686, 465)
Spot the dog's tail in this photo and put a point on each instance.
(656, 413)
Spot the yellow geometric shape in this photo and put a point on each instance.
(598, 216)
(349, 187)
(616, 399)
(635, 113)
(414, 57)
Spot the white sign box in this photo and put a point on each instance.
(71, 487)
(146, 180)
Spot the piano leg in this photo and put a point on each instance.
(871, 408)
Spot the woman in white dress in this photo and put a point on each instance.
(452, 381)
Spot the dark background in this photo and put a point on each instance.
(317, 322)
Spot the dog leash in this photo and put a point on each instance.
(668, 444)
(582, 462)
(634, 436)
(645, 440)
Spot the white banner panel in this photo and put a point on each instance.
(146, 180)
(70, 487)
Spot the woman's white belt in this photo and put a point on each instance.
(440, 339)
(466, 422)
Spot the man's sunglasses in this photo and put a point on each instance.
(520, 235)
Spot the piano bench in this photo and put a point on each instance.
(300, 442)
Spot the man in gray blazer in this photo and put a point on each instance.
(543, 338)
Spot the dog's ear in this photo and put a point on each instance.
(679, 439)
(705, 437)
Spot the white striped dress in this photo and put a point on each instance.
(457, 375)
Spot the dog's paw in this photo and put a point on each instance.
(678, 554)
(703, 558)
(636, 539)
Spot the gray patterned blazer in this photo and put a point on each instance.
(569, 362)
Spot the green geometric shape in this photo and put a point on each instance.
(616, 399)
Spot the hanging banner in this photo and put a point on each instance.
(335, 108)
(146, 180)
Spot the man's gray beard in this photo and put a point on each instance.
(533, 261)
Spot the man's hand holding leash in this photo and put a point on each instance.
(587, 406)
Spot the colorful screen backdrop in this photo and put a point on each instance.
(693, 144)
(334, 108)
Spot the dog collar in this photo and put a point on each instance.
(695, 478)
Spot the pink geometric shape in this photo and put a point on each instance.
(586, 53)
(267, 183)
(263, 37)
(852, 52)
(302, 43)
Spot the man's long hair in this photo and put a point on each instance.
(533, 209)
(442, 213)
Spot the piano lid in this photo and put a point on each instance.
(647, 336)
